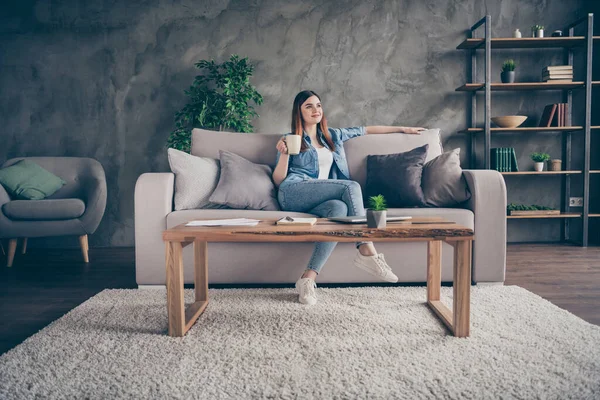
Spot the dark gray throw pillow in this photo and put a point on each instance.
(443, 182)
(244, 185)
(397, 177)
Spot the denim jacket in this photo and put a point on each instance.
(305, 165)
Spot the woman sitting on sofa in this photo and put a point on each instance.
(317, 181)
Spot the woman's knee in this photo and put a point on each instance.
(337, 208)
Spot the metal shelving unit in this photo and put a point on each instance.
(475, 86)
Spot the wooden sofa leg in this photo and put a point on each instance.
(24, 246)
(12, 248)
(83, 242)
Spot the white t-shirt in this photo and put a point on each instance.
(325, 162)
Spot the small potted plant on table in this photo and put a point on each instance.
(377, 212)
(508, 71)
(539, 159)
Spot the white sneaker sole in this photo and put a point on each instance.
(360, 265)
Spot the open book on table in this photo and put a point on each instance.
(296, 221)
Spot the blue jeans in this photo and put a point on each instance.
(325, 198)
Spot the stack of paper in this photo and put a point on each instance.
(224, 222)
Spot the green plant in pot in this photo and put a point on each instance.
(537, 31)
(508, 71)
(220, 99)
(539, 159)
(377, 212)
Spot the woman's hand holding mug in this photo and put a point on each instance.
(282, 147)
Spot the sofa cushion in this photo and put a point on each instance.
(27, 180)
(397, 177)
(244, 185)
(443, 182)
(357, 149)
(195, 179)
(44, 210)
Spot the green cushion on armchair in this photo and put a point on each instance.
(27, 180)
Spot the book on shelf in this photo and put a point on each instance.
(503, 159)
(557, 68)
(548, 115)
(554, 115)
(296, 221)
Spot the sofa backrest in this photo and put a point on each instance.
(359, 148)
(256, 147)
(260, 148)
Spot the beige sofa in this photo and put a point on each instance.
(242, 263)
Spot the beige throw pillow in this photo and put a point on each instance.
(195, 179)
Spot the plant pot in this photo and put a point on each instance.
(538, 166)
(554, 165)
(507, 76)
(376, 219)
(539, 33)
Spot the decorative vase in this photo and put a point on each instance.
(517, 33)
(539, 33)
(538, 166)
(507, 76)
(376, 219)
(554, 165)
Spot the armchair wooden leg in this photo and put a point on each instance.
(83, 242)
(12, 247)
(24, 246)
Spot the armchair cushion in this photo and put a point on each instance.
(44, 210)
(27, 180)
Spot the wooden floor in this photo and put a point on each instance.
(43, 285)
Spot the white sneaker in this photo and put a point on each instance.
(375, 265)
(306, 291)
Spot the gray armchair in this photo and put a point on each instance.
(75, 209)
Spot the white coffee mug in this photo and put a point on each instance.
(293, 144)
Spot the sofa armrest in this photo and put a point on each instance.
(488, 203)
(153, 202)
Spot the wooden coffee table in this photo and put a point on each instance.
(434, 231)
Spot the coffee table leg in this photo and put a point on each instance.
(201, 270)
(434, 269)
(175, 301)
(462, 289)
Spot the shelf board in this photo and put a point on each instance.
(525, 43)
(562, 215)
(593, 215)
(472, 87)
(541, 173)
(527, 129)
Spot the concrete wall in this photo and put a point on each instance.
(103, 79)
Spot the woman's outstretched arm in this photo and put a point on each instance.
(378, 129)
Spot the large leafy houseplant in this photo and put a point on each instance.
(219, 100)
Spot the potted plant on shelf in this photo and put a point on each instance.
(537, 31)
(508, 71)
(539, 159)
(377, 212)
(219, 100)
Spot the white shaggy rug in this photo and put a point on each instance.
(356, 343)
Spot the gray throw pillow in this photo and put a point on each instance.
(195, 179)
(244, 185)
(397, 177)
(443, 182)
